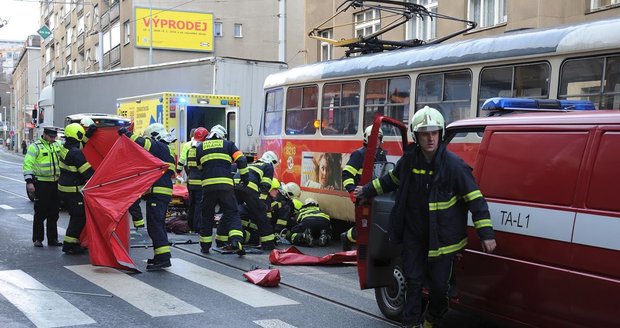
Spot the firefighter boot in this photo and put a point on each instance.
(73, 248)
(159, 262)
(346, 244)
(204, 247)
(307, 237)
(267, 245)
(324, 238)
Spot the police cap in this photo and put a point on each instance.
(51, 131)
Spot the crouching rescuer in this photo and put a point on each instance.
(156, 140)
(434, 191)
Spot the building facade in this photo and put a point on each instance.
(89, 36)
(26, 79)
(492, 17)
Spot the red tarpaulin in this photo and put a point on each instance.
(293, 256)
(123, 176)
(263, 277)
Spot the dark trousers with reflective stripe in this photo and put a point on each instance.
(45, 208)
(257, 209)
(156, 207)
(194, 212)
(418, 270)
(230, 218)
(135, 211)
(315, 224)
(74, 203)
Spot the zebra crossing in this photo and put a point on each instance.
(46, 307)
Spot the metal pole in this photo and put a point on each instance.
(150, 32)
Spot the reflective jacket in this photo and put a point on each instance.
(183, 156)
(452, 193)
(194, 176)
(215, 157)
(41, 161)
(311, 211)
(353, 170)
(161, 150)
(74, 169)
(260, 178)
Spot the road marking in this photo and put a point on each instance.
(151, 300)
(242, 291)
(273, 323)
(8, 178)
(6, 207)
(43, 308)
(28, 217)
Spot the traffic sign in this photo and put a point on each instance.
(44, 32)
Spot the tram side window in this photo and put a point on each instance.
(273, 112)
(450, 93)
(389, 97)
(340, 108)
(595, 79)
(520, 81)
(301, 110)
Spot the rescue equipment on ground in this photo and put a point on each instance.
(263, 277)
(293, 256)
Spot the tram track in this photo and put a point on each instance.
(299, 289)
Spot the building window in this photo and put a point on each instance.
(367, 22)
(487, 12)
(326, 47)
(88, 59)
(127, 28)
(218, 29)
(97, 53)
(423, 28)
(602, 4)
(238, 30)
(80, 25)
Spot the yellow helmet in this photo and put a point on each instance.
(75, 131)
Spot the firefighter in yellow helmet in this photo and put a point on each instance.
(74, 172)
(434, 191)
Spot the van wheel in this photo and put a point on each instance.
(392, 299)
(30, 195)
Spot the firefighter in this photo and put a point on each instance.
(89, 126)
(273, 204)
(311, 223)
(41, 172)
(188, 161)
(351, 175)
(74, 172)
(435, 189)
(255, 196)
(214, 158)
(156, 140)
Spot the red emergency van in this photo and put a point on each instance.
(551, 182)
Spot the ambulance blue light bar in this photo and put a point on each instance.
(514, 104)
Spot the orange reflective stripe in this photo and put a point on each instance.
(237, 154)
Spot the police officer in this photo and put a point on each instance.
(255, 193)
(189, 162)
(311, 223)
(41, 172)
(74, 172)
(215, 157)
(351, 175)
(156, 141)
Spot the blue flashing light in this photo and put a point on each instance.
(182, 100)
(224, 102)
(508, 104)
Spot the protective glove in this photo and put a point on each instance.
(91, 129)
(122, 130)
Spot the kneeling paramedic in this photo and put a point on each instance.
(311, 223)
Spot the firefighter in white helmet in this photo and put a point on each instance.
(434, 191)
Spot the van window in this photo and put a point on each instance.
(605, 177)
(534, 166)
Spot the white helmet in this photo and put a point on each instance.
(156, 131)
(427, 119)
(311, 201)
(218, 132)
(86, 122)
(292, 190)
(367, 133)
(269, 157)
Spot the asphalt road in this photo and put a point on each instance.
(42, 287)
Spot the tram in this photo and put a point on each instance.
(314, 115)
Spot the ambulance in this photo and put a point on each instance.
(181, 112)
(551, 182)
